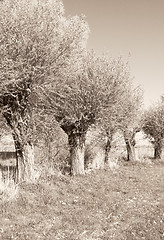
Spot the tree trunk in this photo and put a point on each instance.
(24, 160)
(157, 151)
(129, 136)
(130, 151)
(17, 112)
(76, 132)
(108, 147)
(77, 150)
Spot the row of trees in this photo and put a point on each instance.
(46, 72)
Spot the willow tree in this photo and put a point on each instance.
(153, 127)
(84, 98)
(37, 44)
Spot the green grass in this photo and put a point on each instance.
(125, 204)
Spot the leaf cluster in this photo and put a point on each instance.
(37, 43)
(95, 94)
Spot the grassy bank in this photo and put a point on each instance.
(125, 204)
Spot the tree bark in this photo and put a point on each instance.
(76, 138)
(108, 147)
(76, 132)
(24, 160)
(77, 150)
(130, 151)
(157, 150)
(130, 145)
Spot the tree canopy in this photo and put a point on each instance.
(38, 45)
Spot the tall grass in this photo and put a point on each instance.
(8, 190)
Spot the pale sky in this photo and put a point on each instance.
(120, 27)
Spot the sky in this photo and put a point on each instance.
(125, 28)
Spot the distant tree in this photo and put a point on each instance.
(153, 127)
(37, 46)
(130, 118)
(113, 116)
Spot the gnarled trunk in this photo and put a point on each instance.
(129, 137)
(76, 132)
(77, 150)
(17, 112)
(108, 146)
(157, 150)
(24, 160)
(130, 151)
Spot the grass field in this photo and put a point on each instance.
(124, 204)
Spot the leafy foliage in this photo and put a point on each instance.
(92, 93)
(37, 45)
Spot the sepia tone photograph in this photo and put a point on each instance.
(81, 119)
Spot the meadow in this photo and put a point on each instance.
(123, 203)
